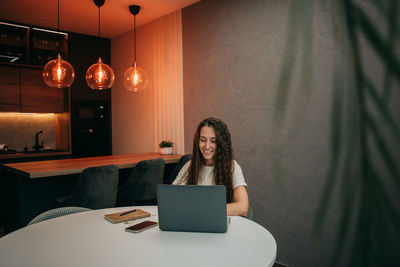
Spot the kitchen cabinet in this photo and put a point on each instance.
(21, 85)
(22, 90)
(9, 89)
(46, 45)
(14, 43)
(36, 96)
(23, 44)
(90, 109)
(84, 51)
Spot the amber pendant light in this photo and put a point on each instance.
(135, 78)
(100, 76)
(58, 73)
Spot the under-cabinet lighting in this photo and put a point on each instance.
(43, 30)
(10, 58)
(14, 25)
(22, 114)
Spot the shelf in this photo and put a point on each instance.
(14, 42)
(21, 44)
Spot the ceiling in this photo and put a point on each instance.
(81, 16)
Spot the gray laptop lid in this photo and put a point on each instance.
(192, 208)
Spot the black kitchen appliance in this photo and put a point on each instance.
(90, 125)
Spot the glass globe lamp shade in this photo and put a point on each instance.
(58, 73)
(135, 79)
(100, 76)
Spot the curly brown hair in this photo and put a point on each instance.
(223, 165)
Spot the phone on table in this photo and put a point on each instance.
(136, 228)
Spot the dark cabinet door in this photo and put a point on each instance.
(90, 109)
(9, 89)
(90, 140)
(84, 51)
(36, 96)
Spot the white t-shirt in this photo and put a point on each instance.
(207, 175)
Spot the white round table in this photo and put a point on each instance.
(87, 239)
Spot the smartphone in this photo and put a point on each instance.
(136, 228)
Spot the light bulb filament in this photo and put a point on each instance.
(136, 78)
(59, 72)
(99, 75)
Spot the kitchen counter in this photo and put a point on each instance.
(33, 154)
(39, 169)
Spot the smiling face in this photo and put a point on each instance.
(208, 144)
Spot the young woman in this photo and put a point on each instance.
(212, 163)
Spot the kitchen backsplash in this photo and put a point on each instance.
(18, 130)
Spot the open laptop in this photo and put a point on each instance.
(192, 208)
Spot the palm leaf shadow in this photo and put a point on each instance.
(363, 161)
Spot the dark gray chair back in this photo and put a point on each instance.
(54, 213)
(96, 188)
(250, 214)
(140, 188)
(179, 165)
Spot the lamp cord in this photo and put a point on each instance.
(99, 21)
(58, 26)
(58, 16)
(134, 38)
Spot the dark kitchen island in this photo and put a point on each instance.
(32, 187)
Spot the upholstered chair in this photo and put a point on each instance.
(58, 212)
(178, 167)
(96, 188)
(140, 188)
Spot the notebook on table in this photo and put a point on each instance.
(192, 208)
(127, 215)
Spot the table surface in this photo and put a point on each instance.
(38, 169)
(87, 239)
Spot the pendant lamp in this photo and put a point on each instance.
(58, 73)
(135, 78)
(100, 76)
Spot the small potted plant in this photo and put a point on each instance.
(166, 147)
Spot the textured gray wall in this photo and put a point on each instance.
(233, 53)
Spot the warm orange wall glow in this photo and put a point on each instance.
(168, 81)
(141, 120)
(132, 113)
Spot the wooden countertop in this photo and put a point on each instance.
(48, 168)
(33, 155)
